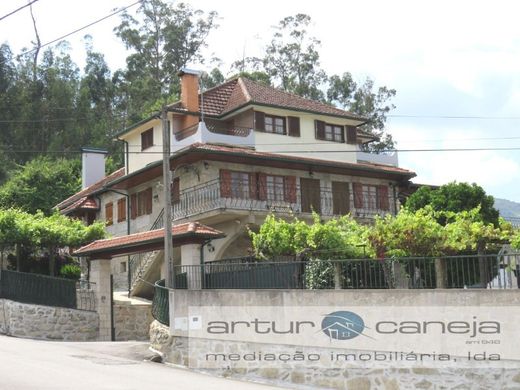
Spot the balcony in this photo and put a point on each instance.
(214, 132)
(207, 197)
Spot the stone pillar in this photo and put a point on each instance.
(190, 262)
(100, 275)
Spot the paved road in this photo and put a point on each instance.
(34, 365)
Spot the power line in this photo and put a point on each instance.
(291, 151)
(18, 9)
(78, 30)
(453, 117)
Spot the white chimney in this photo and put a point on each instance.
(92, 166)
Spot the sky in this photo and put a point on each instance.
(455, 66)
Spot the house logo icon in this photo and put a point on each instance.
(342, 325)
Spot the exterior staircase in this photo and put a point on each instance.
(144, 268)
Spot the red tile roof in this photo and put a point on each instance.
(83, 203)
(67, 203)
(240, 91)
(253, 153)
(189, 229)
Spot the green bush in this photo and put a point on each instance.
(70, 271)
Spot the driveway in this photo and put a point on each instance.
(32, 364)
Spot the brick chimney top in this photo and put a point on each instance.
(189, 89)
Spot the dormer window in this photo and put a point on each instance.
(147, 139)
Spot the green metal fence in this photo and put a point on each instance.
(494, 271)
(38, 289)
(161, 304)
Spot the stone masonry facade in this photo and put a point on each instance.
(47, 323)
(326, 376)
(132, 322)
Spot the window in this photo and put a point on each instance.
(334, 133)
(147, 139)
(275, 188)
(240, 185)
(329, 132)
(141, 203)
(371, 197)
(121, 210)
(109, 213)
(274, 124)
(122, 267)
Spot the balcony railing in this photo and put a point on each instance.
(208, 197)
(214, 132)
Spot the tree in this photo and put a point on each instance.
(367, 101)
(455, 197)
(41, 184)
(408, 234)
(164, 40)
(292, 59)
(33, 232)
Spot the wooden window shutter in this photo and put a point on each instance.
(109, 213)
(259, 121)
(383, 202)
(149, 198)
(176, 191)
(358, 195)
(121, 210)
(225, 183)
(262, 186)
(294, 126)
(133, 206)
(351, 135)
(320, 129)
(340, 198)
(290, 189)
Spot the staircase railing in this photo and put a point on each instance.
(137, 262)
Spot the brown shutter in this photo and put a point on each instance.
(252, 186)
(262, 186)
(259, 121)
(351, 135)
(294, 126)
(310, 195)
(109, 213)
(382, 198)
(320, 129)
(176, 191)
(225, 183)
(358, 195)
(121, 210)
(290, 189)
(340, 198)
(133, 206)
(149, 199)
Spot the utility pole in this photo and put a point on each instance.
(168, 244)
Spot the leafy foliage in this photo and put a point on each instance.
(41, 184)
(70, 271)
(455, 197)
(37, 232)
(164, 40)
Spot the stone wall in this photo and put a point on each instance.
(181, 350)
(47, 323)
(132, 321)
(333, 376)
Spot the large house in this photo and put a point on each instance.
(240, 151)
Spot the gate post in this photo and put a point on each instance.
(100, 273)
